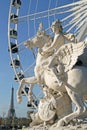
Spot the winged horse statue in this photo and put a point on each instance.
(64, 60)
(72, 76)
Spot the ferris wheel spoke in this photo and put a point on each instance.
(77, 23)
(54, 11)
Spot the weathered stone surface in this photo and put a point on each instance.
(81, 126)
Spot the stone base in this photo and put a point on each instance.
(75, 125)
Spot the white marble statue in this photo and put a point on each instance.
(46, 49)
(57, 62)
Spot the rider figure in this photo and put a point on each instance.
(52, 48)
(55, 45)
(58, 41)
(58, 36)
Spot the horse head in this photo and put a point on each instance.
(38, 41)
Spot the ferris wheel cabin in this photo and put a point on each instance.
(14, 18)
(16, 3)
(16, 63)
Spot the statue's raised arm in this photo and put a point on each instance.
(59, 37)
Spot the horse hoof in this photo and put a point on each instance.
(85, 40)
(60, 123)
(19, 99)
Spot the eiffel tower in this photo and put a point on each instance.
(11, 111)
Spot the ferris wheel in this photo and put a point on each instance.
(23, 22)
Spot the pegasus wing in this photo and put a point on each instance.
(68, 54)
